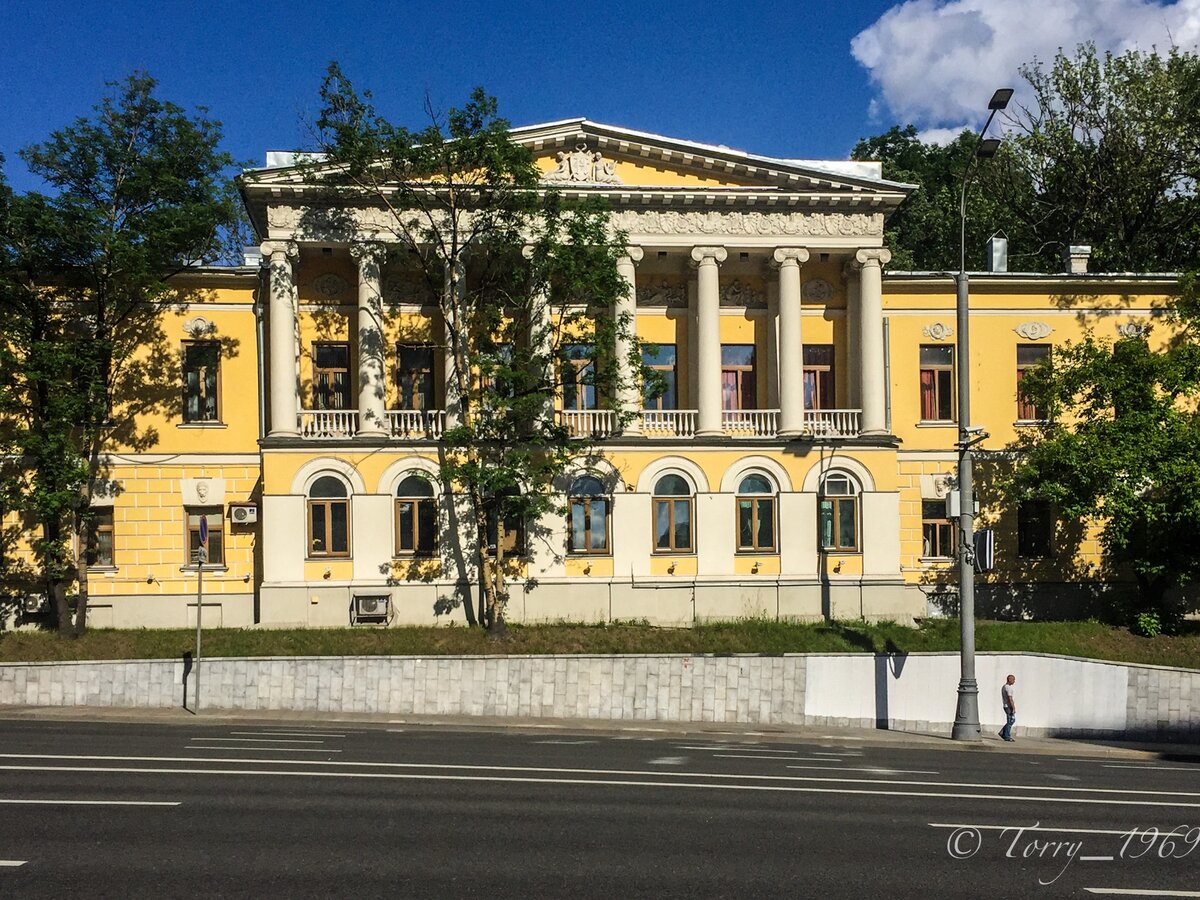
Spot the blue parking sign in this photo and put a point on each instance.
(204, 531)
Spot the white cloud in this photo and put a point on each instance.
(943, 136)
(935, 62)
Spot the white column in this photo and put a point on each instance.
(791, 351)
(708, 338)
(848, 364)
(285, 397)
(628, 397)
(372, 390)
(542, 338)
(870, 320)
(456, 285)
(772, 344)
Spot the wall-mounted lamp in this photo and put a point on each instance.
(327, 574)
(150, 579)
(671, 568)
(246, 578)
(587, 569)
(754, 568)
(838, 567)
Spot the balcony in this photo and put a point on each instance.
(595, 424)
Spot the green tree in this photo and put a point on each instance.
(1108, 145)
(525, 283)
(1122, 451)
(140, 191)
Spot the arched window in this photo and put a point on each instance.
(672, 515)
(756, 515)
(506, 524)
(838, 512)
(590, 511)
(328, 518)
(416, 517)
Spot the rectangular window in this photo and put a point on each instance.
(414, 376)
(101, 539)
(756, 524)
(331, 375)
(216, 537)
(201, 365)
(416, 526)
(937, 383)
(589, 525)
(937, 532)
(1029, 356)
(328, 528)
(738, 382)
(672, 524)
(578, 390)
(1035, 530)
(662, 359)
(819, 377)
(509, 533)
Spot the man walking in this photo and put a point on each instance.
(1009, 700)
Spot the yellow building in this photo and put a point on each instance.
(797, 466)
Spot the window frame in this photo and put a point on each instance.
(1023, 404)
(744, 379)
(1031, 534)
(823, 379)
(419, 501)
(202, 392)
(327, 504)
(835, 504)
(942, 529)
(324, 378)
(670, 374)
(216, 525)
(578, 393)
(405, 378)
(756, 499)
(937, 372)
(498, 529)
(576, 498)
(101, 521)
(670, 501)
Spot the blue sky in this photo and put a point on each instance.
(798, 79)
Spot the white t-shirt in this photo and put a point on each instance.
(1006, 694)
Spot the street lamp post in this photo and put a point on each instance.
(966, 718)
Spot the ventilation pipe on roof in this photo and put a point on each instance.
(997, 254)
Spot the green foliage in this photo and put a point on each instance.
(140, 192)
(523, 280)
(1122, 450)
(1148, 624)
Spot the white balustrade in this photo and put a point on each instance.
(417, 423)
(668, 423)
(750, 422)
(589, 423)
(833, 422)
(328, 424)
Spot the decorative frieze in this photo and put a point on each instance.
(737, 294)
(664, 294)
(937, 331)
(1033, 331)
(751, 224)
(816, 290)
(411, 291)
(199, 327)
(1132, 330)
(329, 286)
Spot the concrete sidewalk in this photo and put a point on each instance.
(647, 730)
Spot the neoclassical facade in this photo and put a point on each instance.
(796, 466)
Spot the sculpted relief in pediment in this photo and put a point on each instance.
(582, 165)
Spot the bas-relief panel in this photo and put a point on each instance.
(310, 224)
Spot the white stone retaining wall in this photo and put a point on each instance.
(1055, 695)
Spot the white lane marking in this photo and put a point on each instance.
(788, 758)
(577, 771)
(870, 770)
(1029, 828)
(669, 761)
(1065, 777)
(1095, 859)
(242, 749)
(13, 801)
(1141, 892)
(567, 743)
(11, 863)
(737, 747)
(1156, 768)
(255, 740)
(595, 782)
(289, 733)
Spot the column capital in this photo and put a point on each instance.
(789, 256)
(873, 256)
(710, 255)
(270, 249)
(633, 253)
(367, 251)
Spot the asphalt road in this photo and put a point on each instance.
(232, 809)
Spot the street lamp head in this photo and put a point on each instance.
(987, 148)
(1000, 98)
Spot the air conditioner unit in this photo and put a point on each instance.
(243, 513)
(371, 607)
